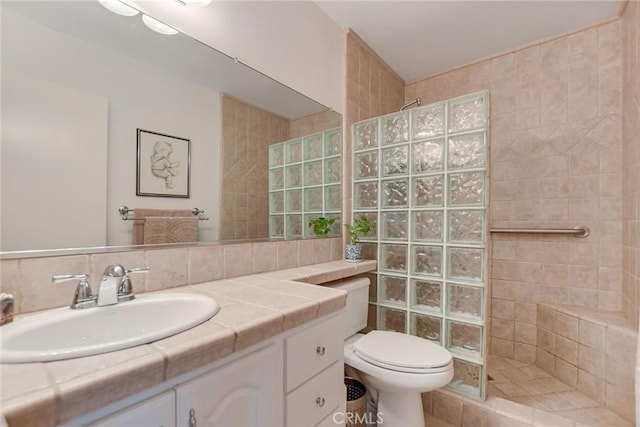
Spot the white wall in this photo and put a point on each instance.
(293, 42)
(138, 97)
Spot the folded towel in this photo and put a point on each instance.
(164, 229)
(140, 214)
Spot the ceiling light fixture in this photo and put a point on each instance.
(121, 8)
(194, 2)
(158, 26)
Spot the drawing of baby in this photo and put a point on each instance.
(161, 164)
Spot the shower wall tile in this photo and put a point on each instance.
(630, 85)
(565, 150)
(247, 134)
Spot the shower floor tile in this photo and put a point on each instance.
(529, 385)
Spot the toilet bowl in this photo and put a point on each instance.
(395, 367)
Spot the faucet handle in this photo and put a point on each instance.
(125, 290)
(83, 296)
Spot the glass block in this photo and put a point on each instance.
(395, 128)
(293, 200)
(427, 327)
(394, 225)
(313, 199)
(276, 201)
(308, 231)
(276, 226)
(394, 257)
(427, 260)
(427, 225)
(332, 198)
(427, 156)
(313, 146)
(293, 151)
(426, 295)
(464, 339)
(467, 378)
(332, 170)
(293, 175)
(336, 228)
(366, 195)
(428, 191)
(393, 290)
(373, 217)
(467, 151)
(467, 113)
(464, 301)
(395, 193)
(276, 179)
(294, 225)
(466, 226)
(313, 173)
(466, 188)
(465, 264)
(276, 155)
(395, 160)
(392, 319)
(428, 121)
(366, 165)
(365, 135)
(373, 288)
(332, 142)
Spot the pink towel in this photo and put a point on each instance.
(164, 229)
(140, 214)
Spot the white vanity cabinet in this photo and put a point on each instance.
(158, 411)
(294, 379)
(314, 372)
(246, 392)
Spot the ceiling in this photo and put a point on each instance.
(422, 38)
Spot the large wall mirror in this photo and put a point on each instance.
(78, 84)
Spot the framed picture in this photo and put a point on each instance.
(164, 164)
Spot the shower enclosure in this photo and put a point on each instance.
(421, 176)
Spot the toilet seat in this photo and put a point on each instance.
(403, 353)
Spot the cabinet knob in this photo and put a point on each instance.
(192, 418)
(320, 350)
(320, 401)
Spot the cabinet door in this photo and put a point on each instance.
(159, 411)
(245, 393)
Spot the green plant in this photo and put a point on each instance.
(321, 226)
(359, 228)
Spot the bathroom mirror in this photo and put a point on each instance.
(79, 81)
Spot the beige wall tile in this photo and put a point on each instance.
(591, 385)
(447, 408)
(567, 326)
(236, 260)
(167, 268)
(567, 350)
(206, 263)
(263, 258)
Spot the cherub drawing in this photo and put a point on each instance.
(161, 164)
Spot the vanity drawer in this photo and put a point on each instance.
(313, 401)
(310, 351)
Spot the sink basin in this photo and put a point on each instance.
(64, 333)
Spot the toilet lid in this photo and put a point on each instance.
(401, 352)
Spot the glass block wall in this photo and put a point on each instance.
(420, 175)
(305, 183)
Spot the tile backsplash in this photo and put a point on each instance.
(29, 279)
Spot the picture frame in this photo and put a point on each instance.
(163, 166)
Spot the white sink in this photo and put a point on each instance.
(64, 333)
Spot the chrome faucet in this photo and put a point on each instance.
(6, 308)
(115, 286)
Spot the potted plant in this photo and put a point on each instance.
(359, 228)
(321, 226)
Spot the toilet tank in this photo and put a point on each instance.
(356, 310)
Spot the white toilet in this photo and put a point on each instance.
(394, 366)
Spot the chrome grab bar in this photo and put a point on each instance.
(581, 231)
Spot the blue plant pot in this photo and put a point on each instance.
(354, 253)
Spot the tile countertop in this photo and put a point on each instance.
(253, 308)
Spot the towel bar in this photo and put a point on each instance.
(124, 211)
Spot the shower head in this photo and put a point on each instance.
(409, 104)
